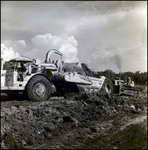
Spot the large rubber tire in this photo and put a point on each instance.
(39, 88)
(107, 87)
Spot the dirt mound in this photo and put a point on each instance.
(64, 122)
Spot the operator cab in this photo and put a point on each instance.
(19, 67)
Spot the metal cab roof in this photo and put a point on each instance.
(21, 59)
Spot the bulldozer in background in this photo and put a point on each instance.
(127, 87)
(39, 81)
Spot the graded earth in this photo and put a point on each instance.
(86, 121)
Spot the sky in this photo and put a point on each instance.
(103, 34)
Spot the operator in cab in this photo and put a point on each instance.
(21, 69)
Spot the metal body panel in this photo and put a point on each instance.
(9, 81)
(58, 72)
(96, 85)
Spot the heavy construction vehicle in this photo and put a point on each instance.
(38, 80)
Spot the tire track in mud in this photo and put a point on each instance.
(70, 122)
(133, 135)
(137, 120)
(104, 131)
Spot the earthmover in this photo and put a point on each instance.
(38, 80)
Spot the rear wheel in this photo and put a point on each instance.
(39, 88)
(107, 87)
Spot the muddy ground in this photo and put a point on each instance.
(86, 121)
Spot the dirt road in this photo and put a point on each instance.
(85, 121)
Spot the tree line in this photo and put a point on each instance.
(139, 78)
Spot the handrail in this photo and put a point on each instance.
(49, 53)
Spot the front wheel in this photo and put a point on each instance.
(39, 88)
(107, 87)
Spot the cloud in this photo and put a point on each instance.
(21, 43)
(18, 46)
(92, 23)
(124, 29)
(108, 57)
(67, 45)
(102, 54)
(8, 53)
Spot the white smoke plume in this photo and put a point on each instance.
(8, 53)
(67, 45)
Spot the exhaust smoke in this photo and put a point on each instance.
(118, 61)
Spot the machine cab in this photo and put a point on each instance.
(15, 70)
